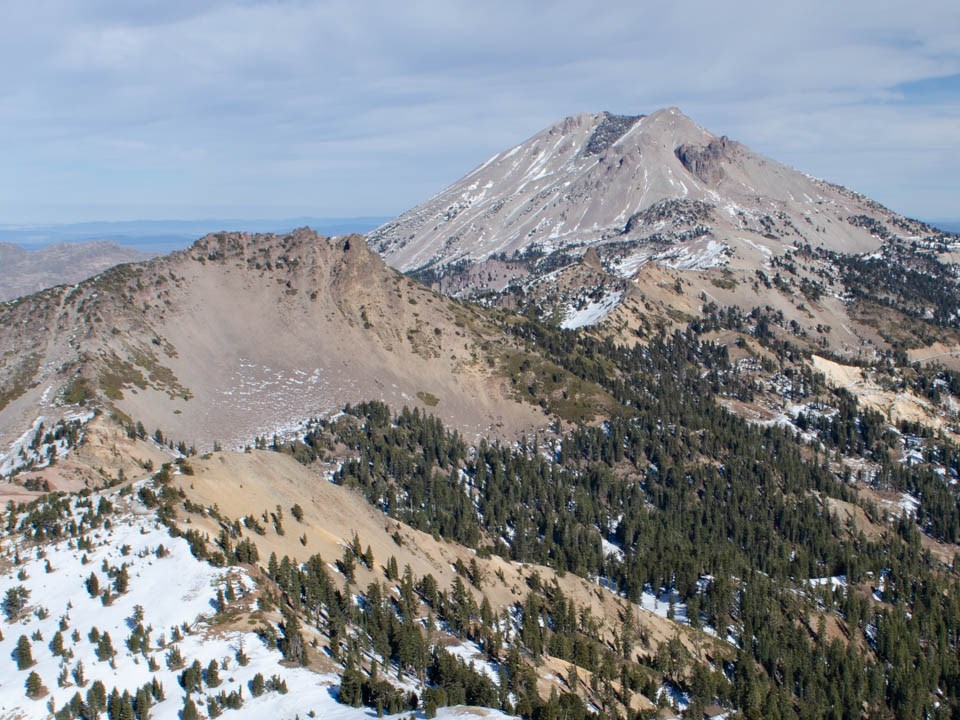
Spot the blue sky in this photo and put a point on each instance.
(114, 109)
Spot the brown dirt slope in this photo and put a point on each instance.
(247, 334)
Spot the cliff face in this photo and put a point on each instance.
(707, 161)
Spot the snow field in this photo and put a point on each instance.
(177, 593)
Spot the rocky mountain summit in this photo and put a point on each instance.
(669, 209)
(243, 335)
(630, 182)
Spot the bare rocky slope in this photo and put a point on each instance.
(246, 335)
(27, 271)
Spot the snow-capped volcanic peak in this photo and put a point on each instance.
(586, 180)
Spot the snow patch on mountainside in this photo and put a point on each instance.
(695, 256)
(700, 254)
(592, 312)
(40, 445)
(472, 654)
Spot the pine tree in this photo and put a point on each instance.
(122, 580)
(175, 658)
(278, 684)
(24, 653)
(15, 601)
(34, 686)
(97, 697)
(191, 678)
(56, 643)
(125, 710)
(351, 683)
(257, 685)
(429, 706)
(142, 703)
(213, 674)
(532, 632)
(105, 649)
(348, 564)
(76, 705)
(293, 648)
(242, 658)
(189, 711)
(78, 674)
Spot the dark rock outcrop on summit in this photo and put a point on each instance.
(706, 161)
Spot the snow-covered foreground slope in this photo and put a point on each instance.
(175, 598)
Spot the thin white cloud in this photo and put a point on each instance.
(116, 109)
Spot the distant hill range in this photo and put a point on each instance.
(40, 256)
(948, 225)
(25, 271)
(161, 236)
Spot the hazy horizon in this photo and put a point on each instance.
(150, 235)
(162, 236)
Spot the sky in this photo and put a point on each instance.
(125, 109)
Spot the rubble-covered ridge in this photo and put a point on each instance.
(609, 131)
